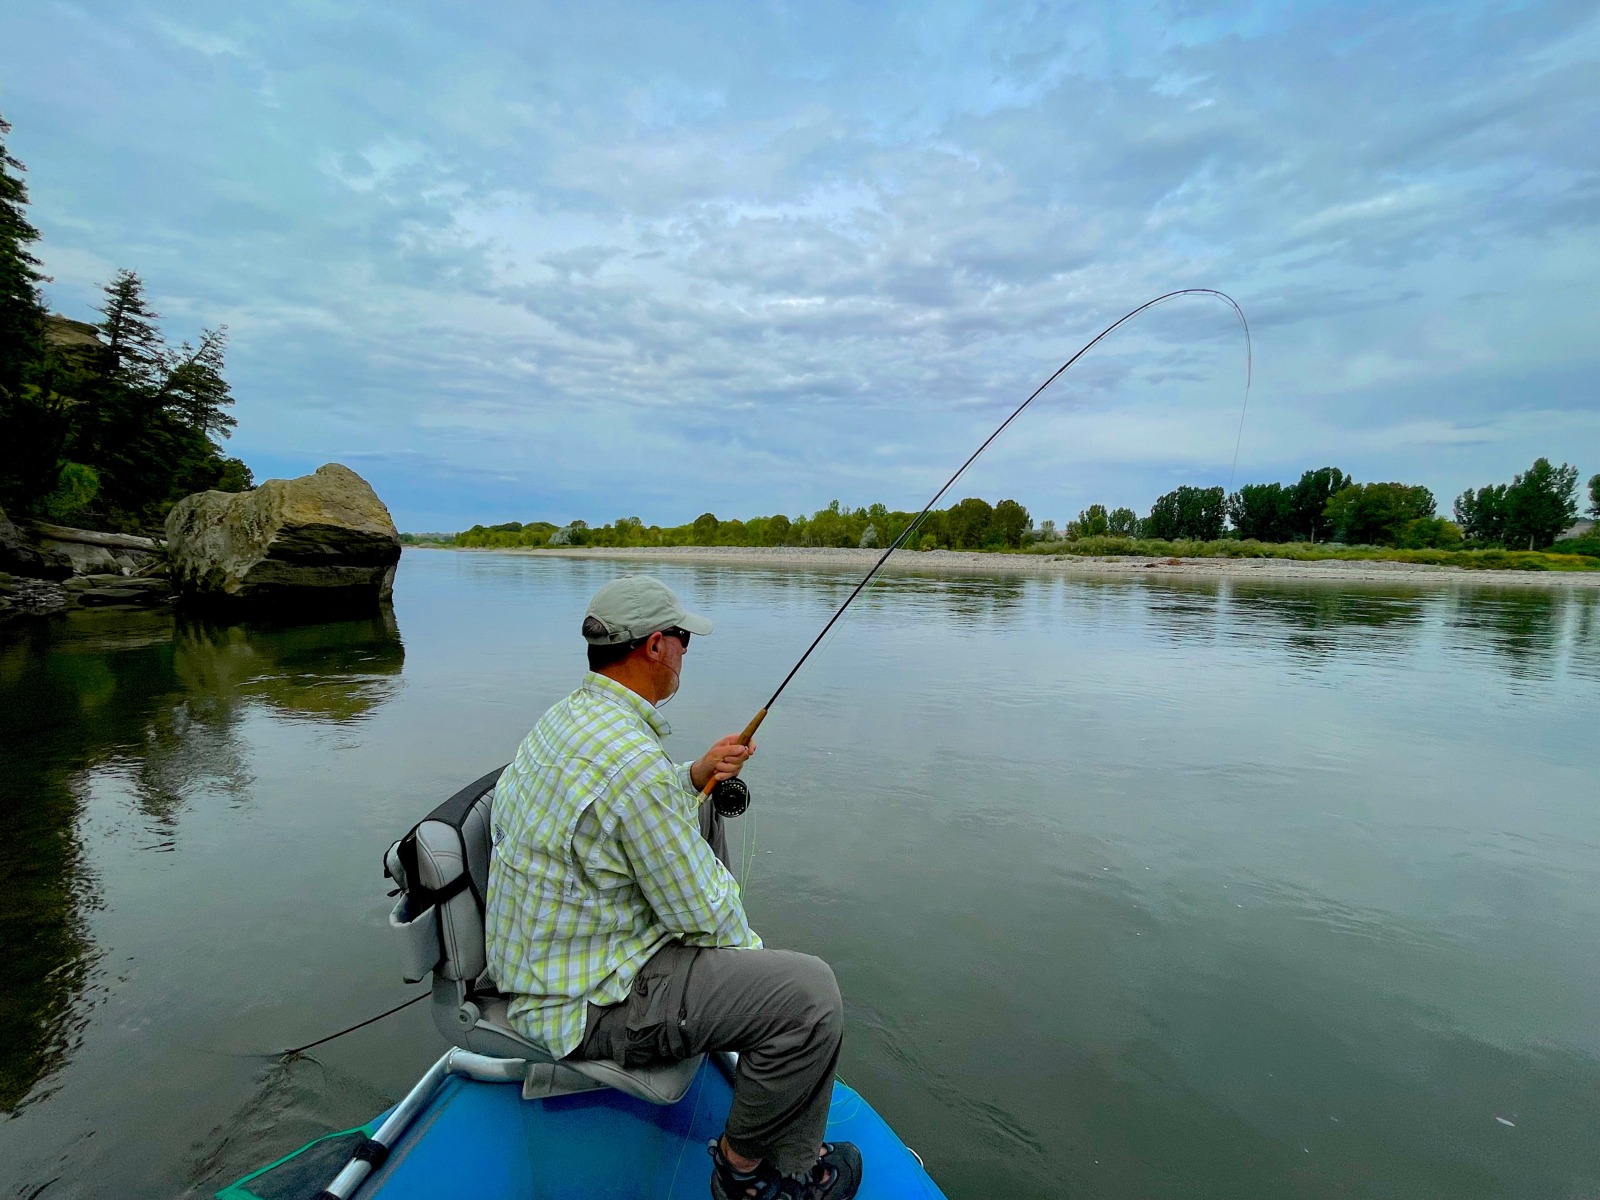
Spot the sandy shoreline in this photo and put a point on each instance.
(961, 562)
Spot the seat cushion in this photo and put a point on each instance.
(662, 1083)
(658, 1084)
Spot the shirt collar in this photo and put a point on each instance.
(604, 686)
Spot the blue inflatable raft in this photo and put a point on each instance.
(465, 1130)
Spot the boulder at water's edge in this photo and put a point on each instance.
(322, 539)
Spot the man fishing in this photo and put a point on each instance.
(617, 929)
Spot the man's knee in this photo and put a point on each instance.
(818, 989)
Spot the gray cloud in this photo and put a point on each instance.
(574, 253)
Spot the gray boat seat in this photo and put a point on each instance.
(442, 869)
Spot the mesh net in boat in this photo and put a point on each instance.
(301, 1175)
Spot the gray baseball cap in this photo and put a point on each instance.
(633, 607)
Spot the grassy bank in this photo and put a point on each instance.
(1088, 547)
(1485, 560)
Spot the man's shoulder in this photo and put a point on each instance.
(589, 726)
(593, 717)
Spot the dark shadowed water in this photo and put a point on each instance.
(1135, 889)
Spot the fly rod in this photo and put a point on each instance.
(761, 714)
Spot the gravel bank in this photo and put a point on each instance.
(962, 562)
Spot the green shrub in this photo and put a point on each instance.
(1588, 545)
(1486, 559)
(75, 490)
(1427, 533)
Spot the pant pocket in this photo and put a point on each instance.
(656, 1028)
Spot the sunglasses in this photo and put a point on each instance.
(671, 631)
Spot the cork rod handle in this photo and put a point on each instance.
(744, 740)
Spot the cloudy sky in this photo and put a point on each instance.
(513, 262)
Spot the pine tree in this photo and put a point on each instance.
(117, 427)
(134, 355)
(21, 309)
(194, 388)
(131, 422)
(150, 414)
(32, 425)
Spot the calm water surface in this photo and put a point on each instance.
(1134, 889)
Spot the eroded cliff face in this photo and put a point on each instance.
(321, 538)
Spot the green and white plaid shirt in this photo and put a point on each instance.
(597, 862)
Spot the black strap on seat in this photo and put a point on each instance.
(452, 813)
(424, 898)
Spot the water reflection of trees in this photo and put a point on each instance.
(1586, 635)
(331, 673)
(1531, 631)
(1184, 611)
(974, 601)
(1318, 620)
(161, 702)
(1534, 632)
(966, 600)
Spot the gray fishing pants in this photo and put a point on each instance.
(780, 1010)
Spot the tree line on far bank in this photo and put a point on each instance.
(103, 425)
(972, 524)
(1528, 513)
(1324, 505)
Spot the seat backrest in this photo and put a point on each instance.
(442, 865)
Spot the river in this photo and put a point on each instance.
(1133, 888)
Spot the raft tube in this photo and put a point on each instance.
(465, 1130)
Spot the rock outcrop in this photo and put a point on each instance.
(19, 556)
(321, 540)
(90, 551)
(118, 591)
(31, 597)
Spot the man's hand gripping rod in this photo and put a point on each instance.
(744, 740)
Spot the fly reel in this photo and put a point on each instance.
(731, 796)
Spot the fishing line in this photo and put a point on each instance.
(761, 715)
(747, 854)
(353, 1028)
(700, 1094)
(1238, 440)
(744, 851)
